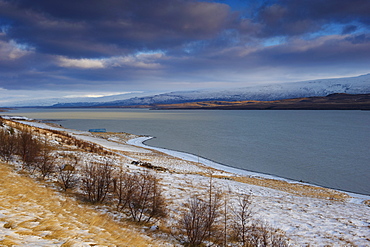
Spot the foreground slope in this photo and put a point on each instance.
(34, 215)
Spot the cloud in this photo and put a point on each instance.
(104, 28)
(349, 29)
(291, 17)
(12, 50)
(96, 95)
(359, 39)
(296, 60)
(140, 60)
(81, 63)
(99, 29)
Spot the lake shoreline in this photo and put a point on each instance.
(140, 142)
(277, 146)
(255, 178)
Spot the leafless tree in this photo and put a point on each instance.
(96, 181)
(28, 148)
(3, 141)
(7, 144)
(124, 186)
(147, 201)
(262, 235)
(45, 161)
(242, 218)
(200, 221)
(66, 173)
(193, 222)
(226, 218)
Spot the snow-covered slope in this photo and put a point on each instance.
(307, 215)
(350, 85)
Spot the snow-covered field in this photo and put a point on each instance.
(306, 220)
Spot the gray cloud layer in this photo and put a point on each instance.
(178, 43)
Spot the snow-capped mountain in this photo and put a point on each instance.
(350, 85)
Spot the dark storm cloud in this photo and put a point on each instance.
(125, 43)
(291, 17)
(359, 39)
(103, 28)
(324, 54)
(93, 28)
(334, 51)
(349, 29)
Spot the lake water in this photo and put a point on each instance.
(327, 148)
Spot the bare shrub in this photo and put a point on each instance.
(66, 173)
(226, 218)
(124, 185)
(147, 201)
(8, 144)
(96, 181)
(213, 210)
(3, 141)
(262, 235)
(45, 161)
(241, 218)
(200, 221)
(28, 149)
(193, 223)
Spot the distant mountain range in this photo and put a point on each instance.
(324, 87)
(337, 101)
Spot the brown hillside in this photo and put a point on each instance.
(330, 102)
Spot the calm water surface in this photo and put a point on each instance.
(327, 148)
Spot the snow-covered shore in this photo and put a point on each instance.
(306, 220)
(140, 142)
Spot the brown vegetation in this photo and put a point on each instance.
(210, 218)
(146, 201)
(96, 181)
(38, 211)
(200, 221)
(295, 188)
(330, 102)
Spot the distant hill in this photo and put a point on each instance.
(350, 85)
(331, 102)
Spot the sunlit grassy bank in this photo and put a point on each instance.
(33, 213)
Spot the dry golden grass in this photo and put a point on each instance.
(121, 136)
(295, 188)
(33, 209)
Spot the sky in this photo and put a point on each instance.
(91, 48)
